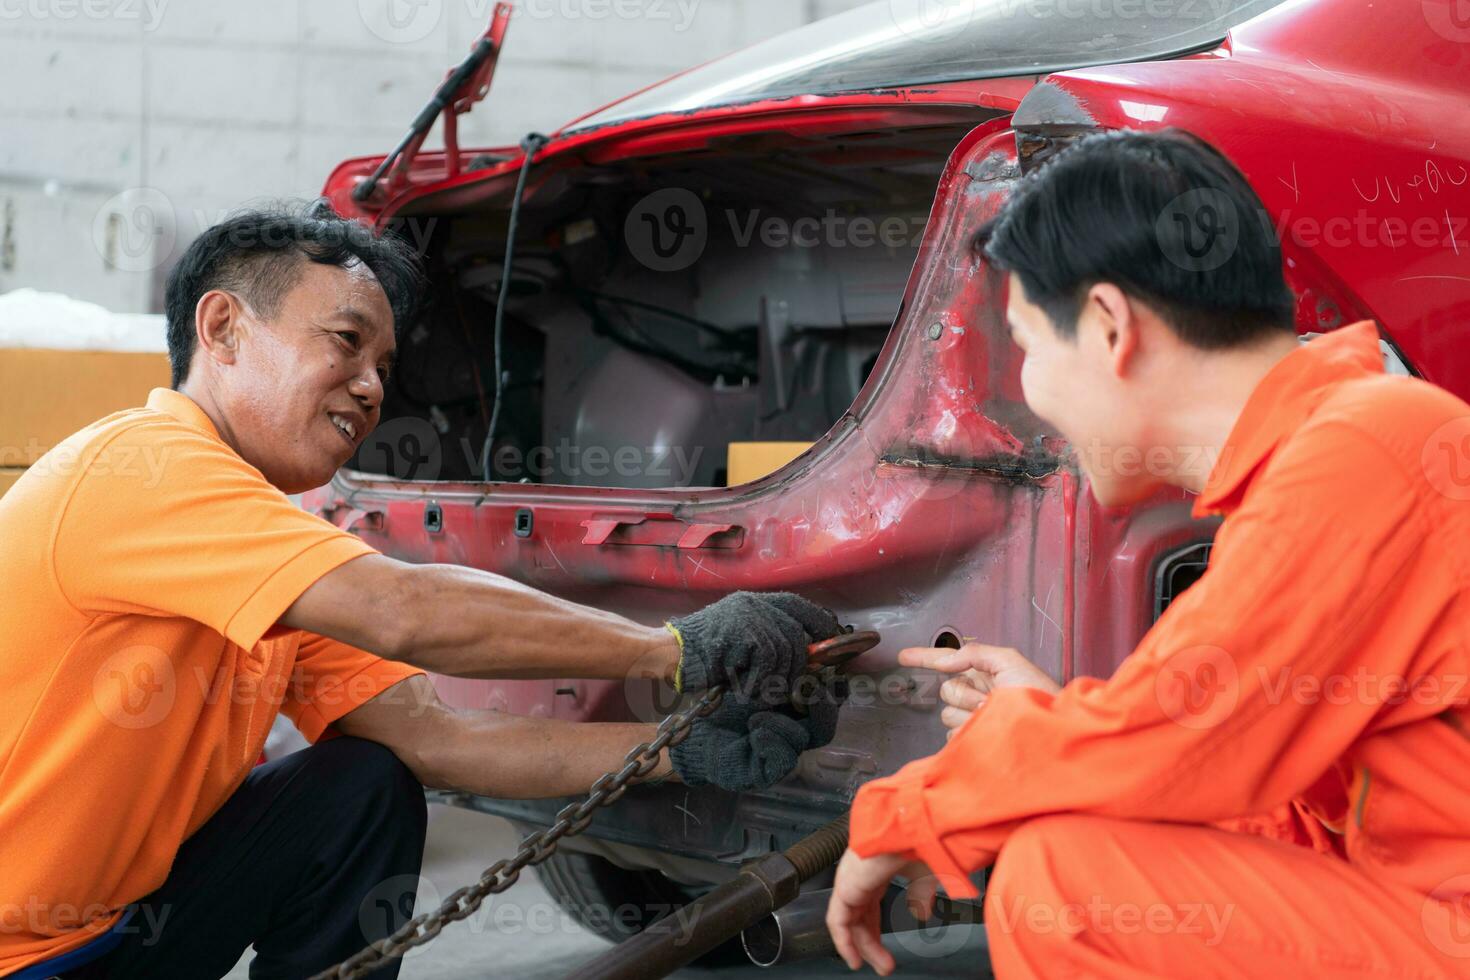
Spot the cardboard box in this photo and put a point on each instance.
(46, 395)
(8, 476)
(749, 461)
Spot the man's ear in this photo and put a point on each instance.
(1116, 323)
(217, 325)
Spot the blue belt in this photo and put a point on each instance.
(80, 956)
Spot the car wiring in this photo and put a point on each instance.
(529, 146)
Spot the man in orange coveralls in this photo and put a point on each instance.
(1315, 674)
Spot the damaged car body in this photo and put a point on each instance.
(778, 247)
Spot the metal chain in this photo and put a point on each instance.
(571, 820)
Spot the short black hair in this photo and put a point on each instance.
(1162, 215)
(257, 253)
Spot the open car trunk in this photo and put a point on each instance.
(661, 309)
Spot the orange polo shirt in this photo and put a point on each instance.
(1321, 659)
(145, 565)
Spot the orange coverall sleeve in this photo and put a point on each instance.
(1200, 723)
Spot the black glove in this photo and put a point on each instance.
(744, 745)
(748, 637)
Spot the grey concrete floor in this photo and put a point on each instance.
(523, 933)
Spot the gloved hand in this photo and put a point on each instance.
(744, 745)
(747, 637)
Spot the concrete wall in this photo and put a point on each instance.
(117, 111)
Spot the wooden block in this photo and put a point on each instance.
(46, 395)
(750, 461)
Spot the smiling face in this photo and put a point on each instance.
(1089, 387)
(297, 392)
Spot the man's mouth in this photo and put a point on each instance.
(346, 426)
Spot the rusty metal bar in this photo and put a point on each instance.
(686, 934)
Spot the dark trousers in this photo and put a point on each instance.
(315, 856)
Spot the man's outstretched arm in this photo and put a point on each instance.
(491, 753)
(468, 623)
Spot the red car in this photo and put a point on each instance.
(777, 247)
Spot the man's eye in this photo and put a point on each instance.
(383, 375)
(350, 336)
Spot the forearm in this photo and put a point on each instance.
(471, 623)
(511, 757)
(468, 623)
(491, 753)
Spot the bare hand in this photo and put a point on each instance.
(854, 913)
(979, 669)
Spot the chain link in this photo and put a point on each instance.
(571, 820)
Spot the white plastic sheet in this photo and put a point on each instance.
(30, 318)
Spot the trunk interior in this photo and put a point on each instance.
(661, 309)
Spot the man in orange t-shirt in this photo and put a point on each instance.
(164, 600)
(1310, 689)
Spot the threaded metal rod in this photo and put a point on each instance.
(760, 888)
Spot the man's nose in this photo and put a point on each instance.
(367, 388)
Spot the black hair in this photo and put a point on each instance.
(1163, 216)
(257, 254)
